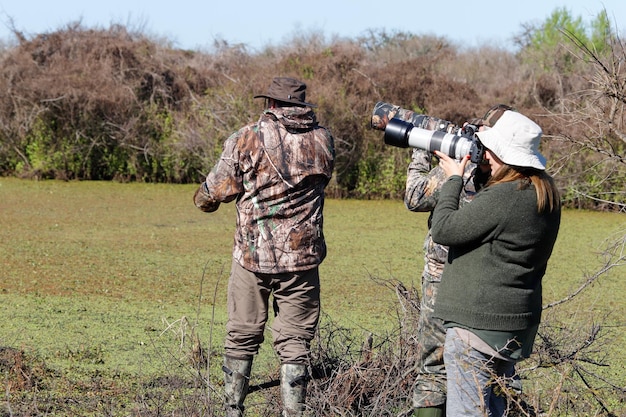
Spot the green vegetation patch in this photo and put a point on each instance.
(115, 293)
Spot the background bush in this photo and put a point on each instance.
(111, 104)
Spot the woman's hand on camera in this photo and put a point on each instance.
(450, 165)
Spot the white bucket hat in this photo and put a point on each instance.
(514, 138)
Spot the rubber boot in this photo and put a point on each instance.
(236, 383)
(430, 412)
(293, 380)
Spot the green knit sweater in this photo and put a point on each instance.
(499, 250)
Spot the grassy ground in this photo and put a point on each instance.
(112, 283)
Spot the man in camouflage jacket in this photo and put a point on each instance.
(277, 170)
(422, 189)
(424, 180)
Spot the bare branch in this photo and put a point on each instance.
(614, 257)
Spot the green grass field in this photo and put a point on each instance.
(111, 282)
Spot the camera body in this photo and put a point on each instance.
(405, 128)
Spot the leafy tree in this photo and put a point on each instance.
(602, 33)
(548, 50)
(544, 46)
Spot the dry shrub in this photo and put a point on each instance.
(371, 377)
(19, 371)
(109, 104)
(93, 104)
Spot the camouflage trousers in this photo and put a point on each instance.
(430, 384)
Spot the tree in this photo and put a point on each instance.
(593, 121)
(546, 49)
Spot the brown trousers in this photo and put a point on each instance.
(296, 305)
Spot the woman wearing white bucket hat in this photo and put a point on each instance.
(490, 298)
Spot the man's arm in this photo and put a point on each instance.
(203, 200)
(422, 182)
(225, 181)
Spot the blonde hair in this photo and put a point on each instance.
(548, 197)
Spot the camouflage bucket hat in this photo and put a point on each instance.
(493, 114)
(287, 90)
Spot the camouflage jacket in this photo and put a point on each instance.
(422, 191)
(277, 170)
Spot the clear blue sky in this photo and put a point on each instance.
(197, 24)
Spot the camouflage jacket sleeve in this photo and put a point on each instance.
(422, 182)
(225, 181)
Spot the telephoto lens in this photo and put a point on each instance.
(404, 134)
